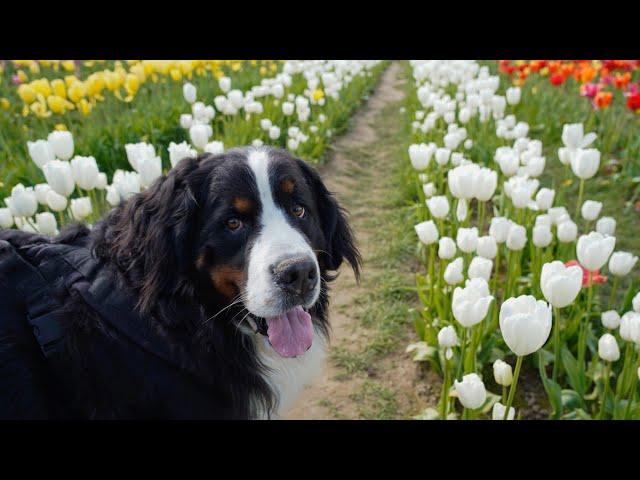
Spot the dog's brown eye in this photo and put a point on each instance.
(234, 224)
(298, 210)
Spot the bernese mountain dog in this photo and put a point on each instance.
(203, 297)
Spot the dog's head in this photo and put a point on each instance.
(250, 231)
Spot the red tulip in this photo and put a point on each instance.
(594, 276)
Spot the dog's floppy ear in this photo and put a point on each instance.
(149, 236)
(337, 232)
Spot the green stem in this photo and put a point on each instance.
(556, 343)
(607, 368)
(614, 290)
(463, 346)
(514, 384)
(579, 204)
(445, 387)
(582, 346)
(504, 395)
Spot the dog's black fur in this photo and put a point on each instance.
(161, 247)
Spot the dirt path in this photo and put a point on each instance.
(368, 374)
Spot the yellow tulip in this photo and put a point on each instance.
(317, 94)
(25, 112)
(176, 75)
(263, 71)
(95, 84)
(77, 91)
(111, 80)
(34, 67)
(69, 65)
(61, 127)
(42, 86)
(70, 80)
(40, 109)
(84, 107)
(56, 104)
(26, 93)
(132, 84)
(22, 76)
(4, 104)
(59, 88)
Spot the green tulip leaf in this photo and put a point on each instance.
(571, 400)
(575, 376)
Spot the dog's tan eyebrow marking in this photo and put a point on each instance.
(227, 280)
(242, 204)
(287, 185)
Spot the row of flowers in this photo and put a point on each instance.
(75, 187)
(597, 79)
(510, 272)
(44, 96)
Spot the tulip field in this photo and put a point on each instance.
(521, 179)
(78, 138)
(523, 264)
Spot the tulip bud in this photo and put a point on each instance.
(513, 95)
(525, 324)
(560, 285)
(62, 144)
(40, 152)
(467, 239)
(46, 223)
(499, 229)
(517, 237)
(429, 189)
(446, 248)
(189, 92)
(55, 201)
(542, 236)
(81, 207)
(487, 247)
(453, 272)
(608, 348)
(6, 218)
(471, 303)
(438, 206)
(610, 319)
(591, 210)
(544, 198)
(199, 135)
(606, 226)
(447, 337)
(471, 391)
(621, 263)
(502, 373)
(567, 231)
(23, 201)
(594, 250)
(427, 232)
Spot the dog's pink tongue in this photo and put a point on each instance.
(291, 333)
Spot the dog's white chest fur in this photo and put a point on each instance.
(288, 376)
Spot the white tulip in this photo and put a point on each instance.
(46, 223)
(610, 319)
(497, 413)
(225, 84)
(544, 198)
(486, 185)
(216, 147)
(41, 192)
(442, 156)
(427, 232)
(462, 180)
(186, 120)
(446, 248)
(236, 98)
(621, 263)
(574, 138)
(59, 177)
(438, 206)
(81, 207)
(558, 215)
(591, 210)
(40, 152)
(517, 237)
(55, 201)
(606, 226)
(630, 327)
(189, 92)
(542, 236)
(85, 172)
(453, 272)
(447, 337)
(101, 182)
(420, 155)
(471, 304)
(502, 373)
(178, 151)
(608, 348)
(567, 231)
(126, 183)
(525, 324)
(6, 218)
(480, 268)
(288, 108)
(23, 201)
(585, 163)
(150, 168)
(543, 220)
(461, 210)
(113, 197)
(487, 247)
(636, 302)
(199, 135)
(135, 151)
(565, 154)
(62, 144)
(560, 285)
(274, 133)
(467, 239)
(513, 95)
(429, 189)
(594, 250)
(499, 229)
(471, 391)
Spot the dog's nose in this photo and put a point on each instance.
(296, 275)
